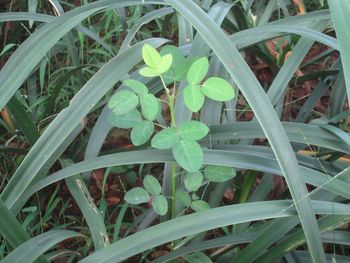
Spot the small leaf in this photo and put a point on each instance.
(193, 97)
(218, 89)
(200, 205)
(193, 130)
(136, 86)
(160, 205)
(197, 71)
(193, 181)
(189, 155)
(141, 132)
(152, 185)
(167, 60)
(165, 139)
(125, 121)
(123, 101)
(219, 174)
(151, 56)
(149, 106)
(137, 195)
(149, 72)
(183, 198)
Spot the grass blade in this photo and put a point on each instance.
(33, 248)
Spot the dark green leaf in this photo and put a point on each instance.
(141, 132)
(218, 174)
(137, 86)
(123, 101)
(160, 205)
(197, 71)
(183, 198)
(149, 106)
(200, 205)
(189, 155)
(152, 185)
(193, 181)
(125, 121)
(137, 195)
(165, 139)
(193, 130)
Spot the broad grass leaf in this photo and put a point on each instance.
(188, 154)
(165, 139)
(123, 101)
(136, 196)
(197, 71)
(141, 132)
(193, 97)
(218, 89)
(152, 185)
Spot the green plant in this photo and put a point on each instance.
(67, 72)
(182, 139)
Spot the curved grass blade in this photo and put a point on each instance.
(340, 11)
(258, 100)
(238, 159)
(29, 54)
(88, 208)
(202, 221)
(67, 120)
(33, 248)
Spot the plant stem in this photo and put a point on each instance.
(171, 98)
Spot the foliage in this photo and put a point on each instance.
(172, 124)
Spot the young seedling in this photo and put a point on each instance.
(135, 108)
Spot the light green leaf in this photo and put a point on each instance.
(197, 71)
(193, 97)
(160, 205)
(165, 139)
(149, 72)
(152, 185)
(136, 86)
(141, 132)
(218, 174)
(193, 130)
(167, 60)
(200, 205)
(193, 181)
(183, 198)
(218, 89)
(125, 121)
(151, 56)
(149, 106)
(123, 101)
(137, 195)
(189, 155)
